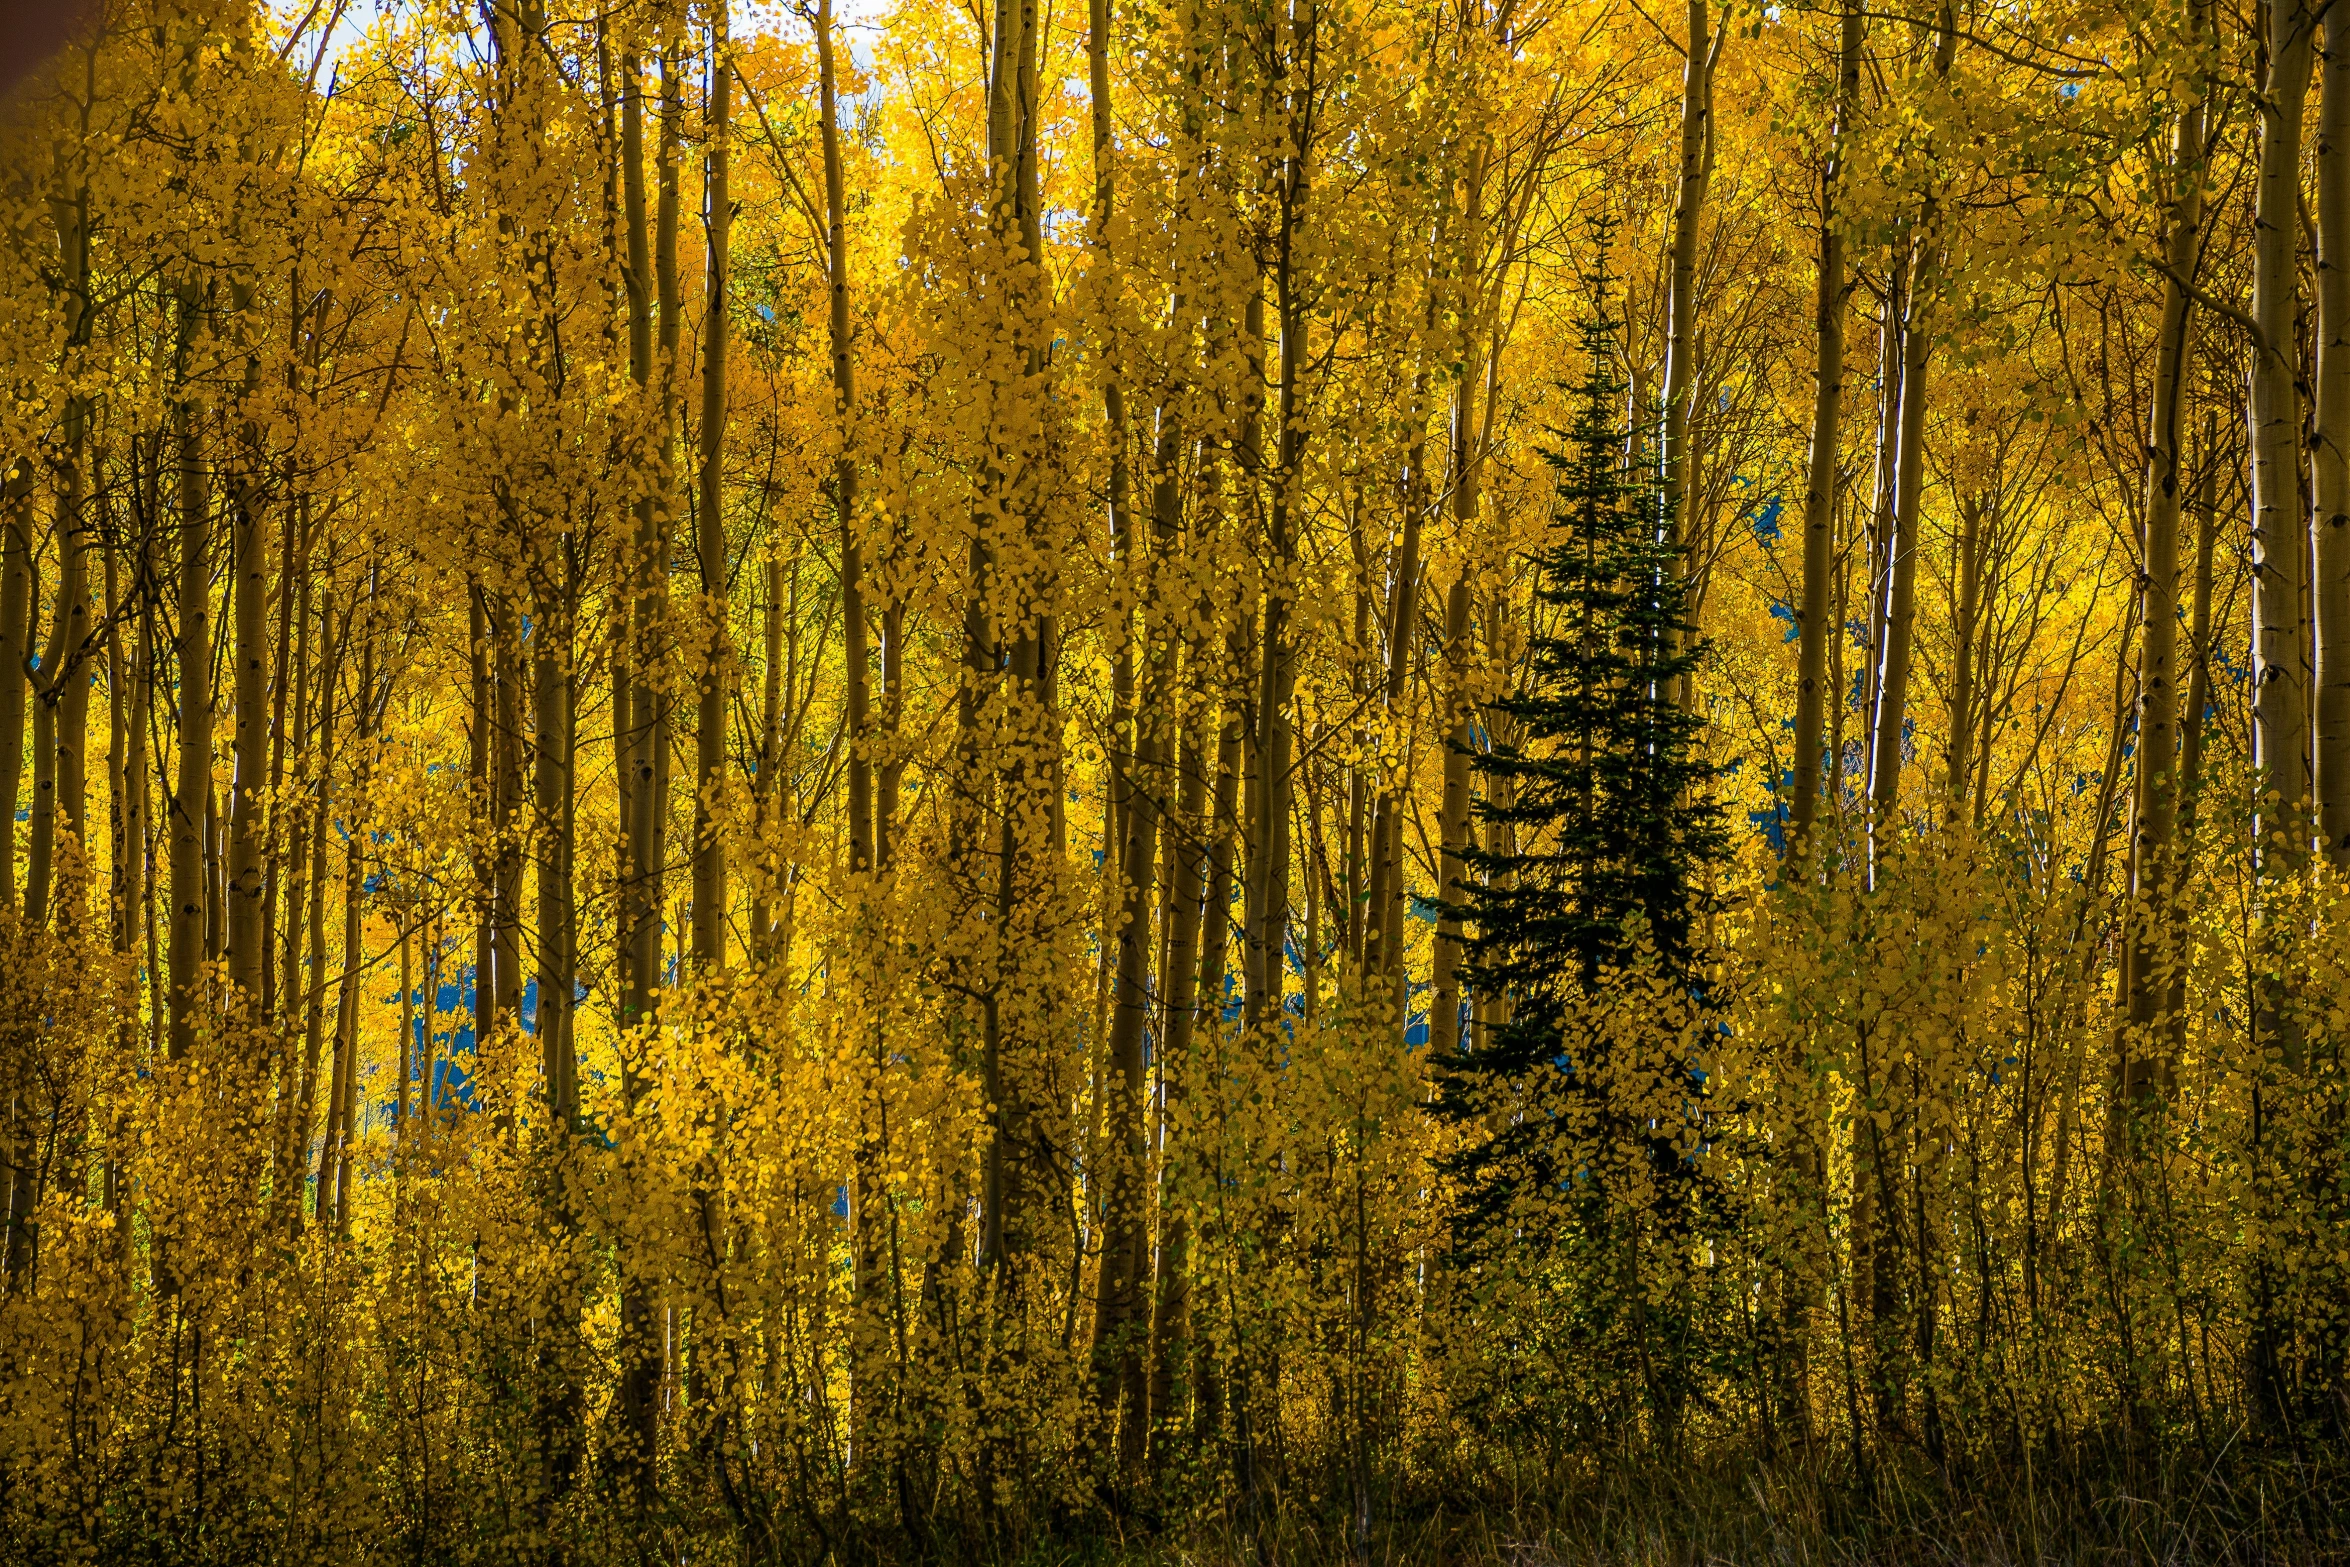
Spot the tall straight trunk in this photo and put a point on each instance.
(1886, 732)
(334, 1156)
(652, 715)
(150, 845)
(274, 846)
(1188, 839)
(2191, 730)
(1121, 1314)
(403, 1055)
(295, 811)
(41, 819)
(1381, 956)
(2330, 452)
(889, 781)
(844, 469)
(2279, 521)
(1269, 940)
(61, 716)
(215, 877)
(1965, 614)
(73, 694)
(1697, 95)
(247, 933)
(284, 831)
(556, 799)
(1444, 1014)
(709, 871)
(481, 772)
(2280, 556)
(193, 783)
(768, 795)
(16, 635)
(297, 828)
(313, 991)
(875, 1280)
(126, 768)
(66, 675)
(1119, 1307)
(327, 1182)
(638, 736)
(2156, 813)
(1816, 630)
(1468, 459)
(1020, 644)
(506, 734)
(1171, 1349)
(334, 1159)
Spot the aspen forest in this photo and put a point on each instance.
(1175, 781)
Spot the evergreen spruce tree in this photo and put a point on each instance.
(1612, 826)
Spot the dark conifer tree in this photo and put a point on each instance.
(1613, 827)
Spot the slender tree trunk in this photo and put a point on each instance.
(1121, 1316)
(651, 278)
(1176, 1367)
(2191, 728)
(1697, 96)
(125, 768)
(555, 787)
(844, 468)
(16, 635)
(1381, 927)
(766, 798)
(2330, 451)
(248, 932)
(297, 827)
(313, 991)
(1019, 637)
(1958, 754)
(2280, 740)
(1278, 673)
(1816, 630)
(194, 781)
(1468, 461)
(709, 871)
(1188, 856)
(64, 682)
(41, 819)
(481, 778)
(1444, 1016)
(274, 829)
(1887, 733)
(2151, 859)
(508, 670)
(2281, 654)
(334, 1159)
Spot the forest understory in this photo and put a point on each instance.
(1174, 781)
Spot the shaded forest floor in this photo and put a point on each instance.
(2268, 1512)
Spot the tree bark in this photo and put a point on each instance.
(2330, 451)
(709, 871)
(193, 784)
(1697, 95)
(1917, 348)
(2151, 860)
(248, 934)
(16, 634)
(2279, 523)
(1444, 1018)
(1816, 629)
(334, 1158)
(313, 994)
(556, 789)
